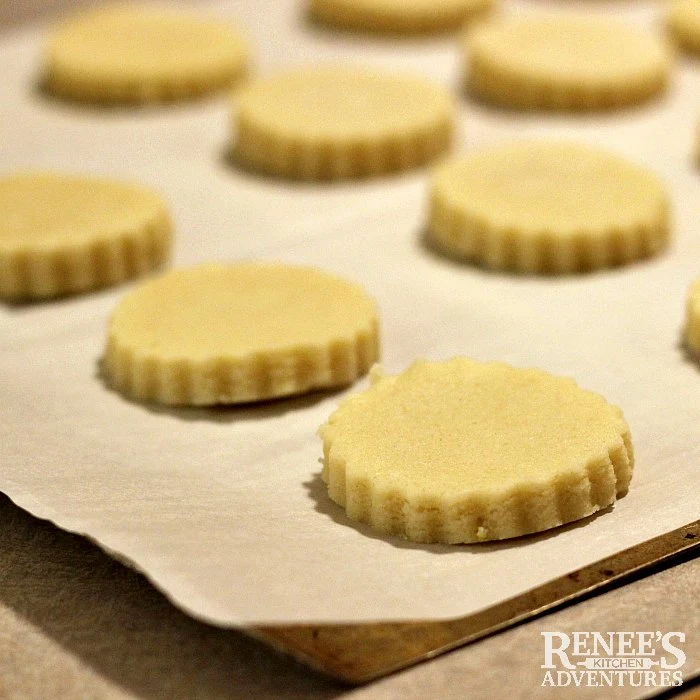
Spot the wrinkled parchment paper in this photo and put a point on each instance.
(224, 509)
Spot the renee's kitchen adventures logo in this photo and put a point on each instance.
(613, 659)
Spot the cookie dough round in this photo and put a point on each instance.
(225, 334)
(547, 207)
(565, 63)
(62, 234)
(335, 122)
(131, 54)
(692, 319)
(397, 16)
(461, 451)
(683, 22)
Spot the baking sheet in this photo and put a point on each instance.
(224, 509)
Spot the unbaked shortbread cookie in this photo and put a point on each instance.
(564, 63)
(397, 16)
(221, 334)
(547, 207)
(692, 318)
(131, 54)
(461, 451)
(334, 122)
(683, 22)
(62, 234)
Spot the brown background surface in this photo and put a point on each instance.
(74, 623)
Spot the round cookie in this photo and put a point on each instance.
(547, 207)
(62, 234)
(565, 63)
(130, 54)
(335, 122)
(462, 451)
(692, 319)
(683, 22)
(397, 16)
(225, 334)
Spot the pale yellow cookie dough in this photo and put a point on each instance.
(224, 334)
(550, 207)
(139, 54)
(692, 318)
(397, 16)
(62, 234)
(461, 451)
(683, 22)
(564, 63)
(336, 122)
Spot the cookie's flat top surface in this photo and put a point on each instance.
(574, 49)
(227, 311)
(559, 187)
(463, 427)
(144, 42)
(48, 208)
(337, 101)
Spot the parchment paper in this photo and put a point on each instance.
(224, 509)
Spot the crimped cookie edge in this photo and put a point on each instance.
(282, 153)
(71, 85)
(43, 273)
(494, 83)
(285, 156)
(599, 482)
(65, 80)
(692, 318)
(233, 380)
(458, 234)
(340, 17)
